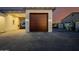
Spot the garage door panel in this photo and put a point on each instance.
(39, 22)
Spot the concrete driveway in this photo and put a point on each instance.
(39, 41)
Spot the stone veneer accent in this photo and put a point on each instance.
(50, 17)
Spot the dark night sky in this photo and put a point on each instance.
(62, 12)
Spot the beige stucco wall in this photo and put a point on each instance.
(9, 22)
(50, 14)
(2, 23)
(6, 21)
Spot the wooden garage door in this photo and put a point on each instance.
(38, 22)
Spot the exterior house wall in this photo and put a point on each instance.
(68, 19)
(50, 14)
(77, 26)
(74, 19)
(11, 22)
(2, 23)
(60, 26)
(71, 18)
